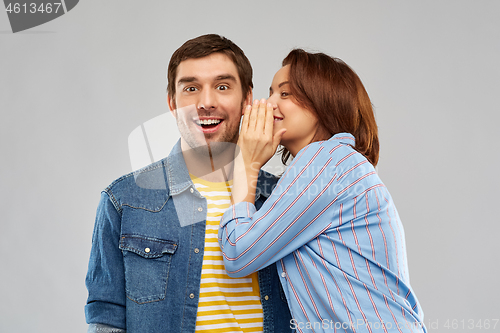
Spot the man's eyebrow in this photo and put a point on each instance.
(225, 77)
(186, 79)
(191, 79)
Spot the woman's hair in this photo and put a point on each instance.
(330, 89)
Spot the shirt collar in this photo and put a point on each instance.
(178, 175)
(344, 138)
(179, 179)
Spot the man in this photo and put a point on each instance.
(153, 265)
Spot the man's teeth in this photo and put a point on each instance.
(208, 121)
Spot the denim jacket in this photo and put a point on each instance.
(147, 253)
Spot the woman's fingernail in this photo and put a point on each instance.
(256, 102)
(263, 100)
(269, 105)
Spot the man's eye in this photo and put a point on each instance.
(190, 89)
(222, 87)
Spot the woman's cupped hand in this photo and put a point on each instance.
(257, 141)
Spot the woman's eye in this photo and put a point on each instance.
(284, 94)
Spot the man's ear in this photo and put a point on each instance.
(171, 105)
(249, 99)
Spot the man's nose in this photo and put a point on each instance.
(207, 100)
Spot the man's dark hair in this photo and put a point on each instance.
(203, 46)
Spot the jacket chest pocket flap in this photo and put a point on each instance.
(147, 264)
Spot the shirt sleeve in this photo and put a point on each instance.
(100, 328)
(105, 277)
(298, 210)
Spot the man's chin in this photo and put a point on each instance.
(213, 148)
(220, 147)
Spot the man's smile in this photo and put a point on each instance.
(208, 125)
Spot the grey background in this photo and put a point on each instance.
(72, 90)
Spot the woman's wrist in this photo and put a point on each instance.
(245, 181)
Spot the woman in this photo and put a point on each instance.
(330, 222)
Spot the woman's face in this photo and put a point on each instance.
(300, 124)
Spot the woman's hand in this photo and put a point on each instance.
(257, 145)
(257, 142)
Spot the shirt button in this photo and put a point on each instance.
(191, 295)
(147, 250)
(283, 274)
(197, 250)
(191, 190)
(266, 297)
(200, 209)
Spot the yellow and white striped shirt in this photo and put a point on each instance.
(226, 304)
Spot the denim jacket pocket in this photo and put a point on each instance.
(147, 264)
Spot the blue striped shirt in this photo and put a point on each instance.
(333, 227)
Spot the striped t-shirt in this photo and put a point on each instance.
(226, 304)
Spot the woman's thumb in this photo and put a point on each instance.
(277, 137)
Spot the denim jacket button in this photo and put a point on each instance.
(191, 190)
(283, 274)
(197, 250)
(200, 209)
(191, 295)
(147, 250)
(266, 298)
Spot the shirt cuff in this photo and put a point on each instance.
(101, 328)
(241, 210)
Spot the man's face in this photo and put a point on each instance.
(208, 102)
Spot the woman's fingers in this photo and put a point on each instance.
(246, 117)
(252, 122)
(268, 129)
(261, 117)
(256, 138)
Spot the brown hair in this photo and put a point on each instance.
(203, 46)
(330, 89)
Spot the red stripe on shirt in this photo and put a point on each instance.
(375, 307)
(367, 227)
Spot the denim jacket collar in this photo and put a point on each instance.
(177, 171)
(179, 179)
